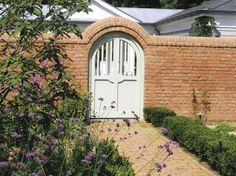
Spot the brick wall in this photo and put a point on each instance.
(173, 67)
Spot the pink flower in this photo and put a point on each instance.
(35, 79)
(42, 65)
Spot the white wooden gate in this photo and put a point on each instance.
(116, 77)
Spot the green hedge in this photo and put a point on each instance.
(218, 149)
(156, 115)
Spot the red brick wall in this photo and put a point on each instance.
(173, 67)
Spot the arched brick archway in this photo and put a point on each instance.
(116, 43)
(115, 24)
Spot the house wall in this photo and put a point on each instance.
(173, 67)
(181, 27)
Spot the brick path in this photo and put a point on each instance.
(148, 138)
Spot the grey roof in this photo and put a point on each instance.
(149, 15)
(210, 6)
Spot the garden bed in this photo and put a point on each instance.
(214, 146)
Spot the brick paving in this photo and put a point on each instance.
(181, 163)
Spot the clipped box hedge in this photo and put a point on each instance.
(156, 115)
(218, 149)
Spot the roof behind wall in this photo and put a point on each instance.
(149, 15)
(210, 6)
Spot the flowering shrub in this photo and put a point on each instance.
(43, 129)
(218, 149)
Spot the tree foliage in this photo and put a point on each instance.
(132, 3)
(169, 4)
(204, 26)
(179, 4)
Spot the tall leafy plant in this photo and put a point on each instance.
(35, 89)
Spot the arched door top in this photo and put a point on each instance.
(116, 77)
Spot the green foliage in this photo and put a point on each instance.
(224, 128)
(203, 26)
(132, 3)
(218, 149)
(156, 115)
(107, 160)
(171, 4)
(42, 113)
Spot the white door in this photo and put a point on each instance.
(116, 78)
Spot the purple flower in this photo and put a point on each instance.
(113, 102)
(4, 164)
(31, 154)
(7, 108)
(127, 122)
(72, 135)
(112, 107)
(75, 120)
(42, 65)
(167, 145)
(50, 140)
(91, 154)
(45, 146)
(14, 174)
(86, 98)
(34, 79)
(164, 131)
(88, 158)
(88, 109)
(163, 165)
(38, 174)
(60, 127)
(15, 135)
(20, 165)
(18, 86)
(169, 151)
(158, 167)
(100, 99)
(86, 161)
(58, 121)
(176, 144)
(31, 115)
(40, 158)
(109, 129)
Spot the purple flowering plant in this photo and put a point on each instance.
(43, 123)
(42, 112)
